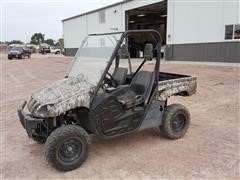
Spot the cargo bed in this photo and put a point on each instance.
(175, 84)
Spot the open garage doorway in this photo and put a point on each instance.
(152, 16)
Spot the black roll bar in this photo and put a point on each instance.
(124, 35)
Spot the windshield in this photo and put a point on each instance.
(17, 48)
(92, 57)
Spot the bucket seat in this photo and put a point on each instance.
(140, 88)
(138, 92)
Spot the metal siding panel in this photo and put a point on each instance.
(212, 52)
(70, 51)
(205, 54)
(193, 52)
(229, 52)
(235, 51)
(199, 52)
(222, 52)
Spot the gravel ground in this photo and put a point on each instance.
(210, 149)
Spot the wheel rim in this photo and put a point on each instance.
(70, 150)
(178, 122)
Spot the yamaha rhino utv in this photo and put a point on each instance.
(107, 93)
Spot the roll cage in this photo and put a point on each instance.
(156, 37)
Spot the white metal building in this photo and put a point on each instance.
(192, 30)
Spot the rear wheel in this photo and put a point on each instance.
(176, 120)
(67, 147)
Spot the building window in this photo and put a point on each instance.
(229, 32)
(232, 31)
(102, 17)
(237, 31)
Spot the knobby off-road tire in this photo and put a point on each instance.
(67, 147)
(176, 121)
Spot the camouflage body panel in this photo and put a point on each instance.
(60, 96)
(167, 88)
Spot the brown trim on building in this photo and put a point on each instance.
(211, 52)
(70, 51)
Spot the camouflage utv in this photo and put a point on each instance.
(108, 93)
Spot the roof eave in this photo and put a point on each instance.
(96, 10)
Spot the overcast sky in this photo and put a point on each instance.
(21, 18)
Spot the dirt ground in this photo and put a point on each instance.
(210, 149)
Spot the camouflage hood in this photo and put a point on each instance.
(60, 96)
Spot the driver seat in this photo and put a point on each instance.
(120, 75)
(139, 90)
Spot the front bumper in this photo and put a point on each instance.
(28, 122)
(14, 55)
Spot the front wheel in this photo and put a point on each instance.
(175, 123)
(21, 56)
(67, 147)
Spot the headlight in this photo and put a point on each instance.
(43, 109)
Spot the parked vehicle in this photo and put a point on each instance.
(55, 50)
(19, 52)
(101, 95)
(45, 48)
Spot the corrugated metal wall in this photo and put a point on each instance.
(212, 52)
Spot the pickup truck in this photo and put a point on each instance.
(19, 52)
(49, 49)
(101, 95)
(55, 50)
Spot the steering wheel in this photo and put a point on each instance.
(109, 80)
